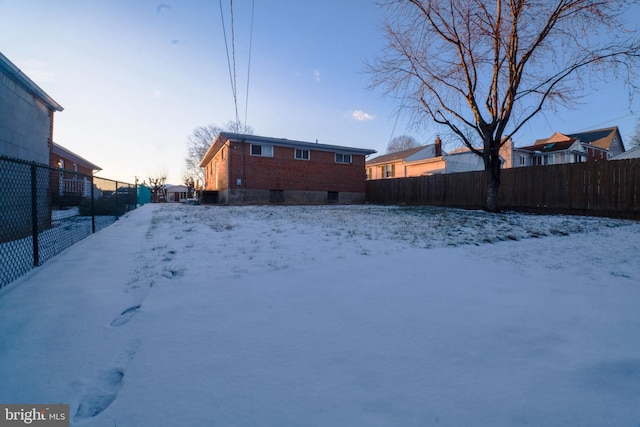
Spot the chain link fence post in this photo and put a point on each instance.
(93, 207)
(34, 215)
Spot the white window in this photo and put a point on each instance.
(302, 154)
(262, 150)
(343, 158)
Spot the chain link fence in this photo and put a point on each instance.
(44, 210)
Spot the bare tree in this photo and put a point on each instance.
(634, 141)
(190, 183)
(156, 184)
(199, 142)
(485, 68)
(401, 143)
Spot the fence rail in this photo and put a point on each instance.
(608, 188)
(44, 210)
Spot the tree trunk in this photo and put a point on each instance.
(492, 169)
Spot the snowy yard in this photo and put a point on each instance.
(332, 316)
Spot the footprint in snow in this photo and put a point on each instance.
(171, 273)
(126, 316)
(101, 394)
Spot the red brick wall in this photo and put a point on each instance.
(595, 155)
(222, 158)
(284, 172)
(68, 165)
(50, 139)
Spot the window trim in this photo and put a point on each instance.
(343, 156)
(262, 150)
(302, 152)
(389, 170)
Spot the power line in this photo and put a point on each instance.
(608, 121)
(246, 102)
(235, 81)
(226, 46)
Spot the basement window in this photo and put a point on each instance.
(276, 196)
(262, 150)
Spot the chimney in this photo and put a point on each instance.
(438, 145)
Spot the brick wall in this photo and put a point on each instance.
(68, 166)
(284, 172)
(213, 181)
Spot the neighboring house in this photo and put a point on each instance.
(75, 178)
(462, 160)
(431, 160)
(423, 160)
(245, 169)
(176, 193)
(632, 153)
(591, 146)
(26, 116)
(26, 133)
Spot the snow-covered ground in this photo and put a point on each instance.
(332, 316)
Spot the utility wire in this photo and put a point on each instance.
(246, 102)
(226, 46)
(235, 81)
(606, 122)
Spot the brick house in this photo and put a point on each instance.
(248, 169)
(75, 180)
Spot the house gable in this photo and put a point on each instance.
(608, 139)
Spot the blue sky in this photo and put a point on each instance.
(136, 77)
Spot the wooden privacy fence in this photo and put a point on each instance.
(609, 188)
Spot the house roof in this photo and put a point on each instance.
(396, 156)
(462, 150)
(602, 138)
(28, 84)
(632, 153)
(599, 138)
(70, 155)
(223, 137)
(549, 146)
(175, 188)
